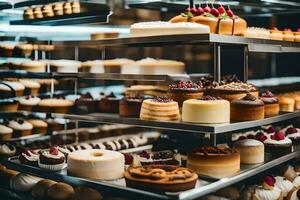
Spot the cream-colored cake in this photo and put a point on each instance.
(116, 65)
(96, 164)
(161, 109)
(206, 110)
(255, 32)
(65, 66)
(143, 29)
(251, 151)
(33, 66)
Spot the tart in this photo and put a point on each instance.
(207, 109)
(28, 103)
(286, 104)
(52, 159)
(271, 103)
(160, 178)
(5, 132)
(160, 108)
(55, 105)
(182, 91)
(214, 161)
(130, 105)
(86, 104)
(29, 157)
(109, 104)
(9, 105)
(276, 34)
(278, 145)
(251, 151)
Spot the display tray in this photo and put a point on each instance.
(118, 187)
(254, 45)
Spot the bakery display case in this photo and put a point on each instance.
(144, 128)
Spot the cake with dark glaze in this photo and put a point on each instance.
(52, 159)
(86, 104)
(271, 103)
(182, 91)
(246, 109)
(109, 104)
(29, 157)
(130, 105)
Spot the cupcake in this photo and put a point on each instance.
(109, 104)
(31, 87)
(278, 145)
(271, 103)
(55, 105)
(52, 159)
(20, 127)
(268, 189)
(289, 173)
(5, 132)
(28, 103)
(9, 105)
(7, 150)
(130, 105)
(29, 157)
(293, 134)
(284, 185)
(39, 126)
(86, 104)
(10, 89)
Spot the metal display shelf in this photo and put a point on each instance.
(116, 187)
(254, 45)
(5, 5)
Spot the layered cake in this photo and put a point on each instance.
(278, 145)
(246, 109)
(154, 28)
(160, 108)
(96, 164)
(207, 109)
(214, 161)
(182, 91)
(251, 151)
(130, 105)
(232, 91)
(271, 103)
(160, 178)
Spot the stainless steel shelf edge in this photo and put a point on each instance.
(204, 190)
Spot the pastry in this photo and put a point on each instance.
(182, 91)
(293, 134)
(276, 34)
(67, 8)
(5, 132)
(75, 7)
(246, 109)
(23, 182)
(289, 173)
(39, 126)
(160, 108)
(60, 191)
(284, 185)
(29, 157)
(96, 164)
(58, 9)
(9, 105)
(47, 11)
(143, 29)
(33, 66)
(160, 178)
(28, 13)
(286, 104)
(82, 192)
(52, 159)
(207, 109)
(288, 35)
(20, 127)
(65, 66)
(28, 103)
(297, 35)
(55, 105)
(40, 189)
(130, 105)
(268, 190)
(255, 32)
(109, 104)
(232, 91)
(86, 104)
(37, 12)
(251, 151)
(294, 194)
(214, 161)
(271, 103)
(10, 89)
(7, 150)
(278, 145)
(230, 192)
(31, 87)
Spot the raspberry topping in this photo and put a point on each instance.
(207, 9)
(199, 11)
(230, 13)
(128, 158)
(261, 136)
(144, 154)
(221, 9)
(54, 151)
(162, 99)
(291, 130)
(270, 180)
(278, 136)
(214, 12)
(271, 129)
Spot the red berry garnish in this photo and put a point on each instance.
(271, 129)
(53, 151)
(214, 12)
(221, 9)
(298, 193)
(242, 138)
(199, 11)
(193, 10)
(291, 130)
(207, 9)
(128, 158)
(230, 13)
(144, 154)
(270, 180)
(278, 136)
(261, 136)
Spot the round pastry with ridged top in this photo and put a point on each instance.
(206, 110)
(96, 164)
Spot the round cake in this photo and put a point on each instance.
(33, 66)
(271, 103)
(251, 151)
(55, 105)
(246, 109)
(206, 110)
(286, 104)
(130, 105)
(214, 161)
(96, 164)
(160, 108)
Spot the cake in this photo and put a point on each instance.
(67, 8)
(130, 105)
(232, 91)
(37, 12)
(160, 178)
(20, 127)
(276, 34)
(55, 105)
(246, 109)
(207, 109)
(65, 66)
(160, 108)
(75, 7)
(29, 157)
(39, 126)
(271, 103)
(116, 65)
(10, 89)
(268, 190)
(278, 145)
(86, 104)
(255, 32)
(52, 159)
(31, 87)
(251, 151)
(47, 11)
(58, 9)
(219, 20)
(293, 134)
(96, 164)
(28, 13)
(5, 132)
(157, 28)
(288, 35)
(33, 66)
(104, 35)
(109, 104)
(182, 91)
(93, 66)
(214, 161)
(28, 103)
(286, 104)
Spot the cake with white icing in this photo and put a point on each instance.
(278, 144)
(284, 185)
(252, 151)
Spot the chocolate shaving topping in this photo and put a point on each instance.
(134, 96)
(162, 99)
(188, 85)
(249, 97)
(209, 98)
